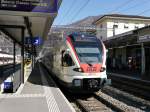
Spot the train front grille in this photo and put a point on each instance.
(91, 84)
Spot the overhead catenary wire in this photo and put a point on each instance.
(67, 12)
(80, 9)
(143, 12)
(121, 5)
(117, 8)
(136, 5)
(129, 1)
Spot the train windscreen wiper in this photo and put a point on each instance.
(89, 64)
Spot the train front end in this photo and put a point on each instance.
(89, 57)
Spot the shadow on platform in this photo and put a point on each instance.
(36, 76)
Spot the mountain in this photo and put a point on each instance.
(86, 21)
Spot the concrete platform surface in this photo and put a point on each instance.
(39, 94)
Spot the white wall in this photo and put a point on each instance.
(121, 27)
(107, 26)
(102, 30)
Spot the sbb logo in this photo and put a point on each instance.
(91, 69)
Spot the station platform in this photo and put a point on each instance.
(38, 94)
(127, 77)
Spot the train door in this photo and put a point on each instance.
(66, 62)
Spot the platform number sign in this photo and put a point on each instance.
(35, 41)
(34, 6)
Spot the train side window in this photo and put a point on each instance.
(66, 59)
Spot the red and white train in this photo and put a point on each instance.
(79, 63)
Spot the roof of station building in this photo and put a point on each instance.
(121, 16)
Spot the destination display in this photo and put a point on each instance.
(85, 39)
(42, 6)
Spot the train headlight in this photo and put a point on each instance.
(78, 69)
(102, 69)
(77, 82)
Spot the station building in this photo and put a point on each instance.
(128, 53)
(127, 40)
(113, 24)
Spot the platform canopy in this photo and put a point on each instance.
(36, 16)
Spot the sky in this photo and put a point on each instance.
(74, 10)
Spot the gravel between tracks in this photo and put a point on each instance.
(124, 107)
(91, 104)
(127, 98)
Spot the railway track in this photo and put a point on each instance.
(101, 102)
(97, 102)
(137, 87)
(91, 104)
(127, 98)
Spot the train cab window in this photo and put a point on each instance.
(66, 60)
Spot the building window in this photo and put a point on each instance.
(126, 26)
(136, 26)
(115, 26)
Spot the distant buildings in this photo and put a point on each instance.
(113, 24)
(6, 44)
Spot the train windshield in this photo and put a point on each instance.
(88, 52)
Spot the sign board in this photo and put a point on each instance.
(145, 38)
(33, 6)
(35, 40)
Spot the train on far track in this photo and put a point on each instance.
(79, 63)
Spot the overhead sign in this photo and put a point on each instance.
(35, 40)
(39, 6)
(145, 38)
